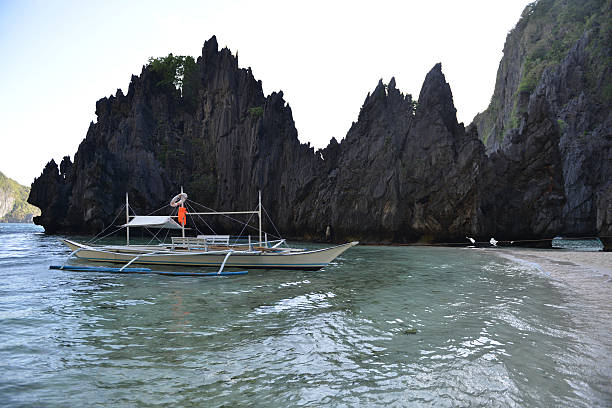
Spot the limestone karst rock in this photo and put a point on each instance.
(405, 171)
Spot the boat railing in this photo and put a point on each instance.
(215, 239)
(207, 242)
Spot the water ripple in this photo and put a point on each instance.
(380, 327)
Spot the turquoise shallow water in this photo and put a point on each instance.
(383, 326)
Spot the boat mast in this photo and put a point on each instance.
(259, 213)
(127, 219)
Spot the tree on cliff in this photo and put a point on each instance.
(174, 70)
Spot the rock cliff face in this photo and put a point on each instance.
(384, 180)
(441, 164)
(548, 129)
(359, 195)
(379, 184)
(405, 172)
(6, 203)
(221, 139)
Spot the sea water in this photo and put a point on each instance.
(381, 326)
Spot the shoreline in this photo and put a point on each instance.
(559, 262)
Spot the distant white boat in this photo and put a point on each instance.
(205, 250)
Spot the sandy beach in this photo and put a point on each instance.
(558, 262)
(585, 283)
(584, 277)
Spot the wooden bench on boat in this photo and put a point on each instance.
(200, 242)
(215, 242)
(215, 239)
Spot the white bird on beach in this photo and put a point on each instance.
(493, 241)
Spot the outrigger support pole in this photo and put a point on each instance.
(259, 213)
(69, 256)
(224, 261)
(132, 260)
(127, 219)
(129, 263)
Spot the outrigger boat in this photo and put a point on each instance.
(203, 250)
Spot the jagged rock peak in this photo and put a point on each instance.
(51, 169)
(436, 97)
(213, 58)
(65, 167)
(385, 94)
(383, 91)
(210, 47)
(380, 90)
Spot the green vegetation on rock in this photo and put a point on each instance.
(552, 27)
(541, 40)
(562, 125)
(172, 69)
(181, 72)
(13, 202)
(256, 111)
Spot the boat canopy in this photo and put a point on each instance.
(153, 221)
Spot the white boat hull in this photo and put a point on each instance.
(307, 260)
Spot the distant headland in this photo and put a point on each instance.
(13, 202)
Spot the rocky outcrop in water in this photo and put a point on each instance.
(218, 136)
(405, 172)
(230, 141)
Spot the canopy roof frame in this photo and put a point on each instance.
(152, 221)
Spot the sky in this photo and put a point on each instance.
(60, 57)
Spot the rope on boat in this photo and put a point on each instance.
(160, 208)
(160, 230)
(238, 221)
(94, 240)
(271, 222)
(166, 236)
(193, 222)
(224, 215)
(243, 228)
(154, 235)
(131, 210)
(108, 226)
(110, 233)
(97, 237)
(201, 219)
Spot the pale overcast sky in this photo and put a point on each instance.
(60, 57)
